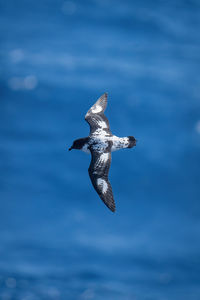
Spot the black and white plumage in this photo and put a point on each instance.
(100, 143)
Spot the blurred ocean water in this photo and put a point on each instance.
(57, 239)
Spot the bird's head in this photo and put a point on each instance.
(78, 144)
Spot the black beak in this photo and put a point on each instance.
(70, 148)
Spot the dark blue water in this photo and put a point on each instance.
(57, 239)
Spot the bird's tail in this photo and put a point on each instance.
(132, 141)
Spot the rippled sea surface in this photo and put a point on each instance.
(57, 239)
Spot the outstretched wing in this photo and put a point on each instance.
(96, 119)
(98, 172)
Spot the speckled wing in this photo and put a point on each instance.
(98, 172)
(96, 119)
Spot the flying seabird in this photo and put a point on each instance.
(100, 143)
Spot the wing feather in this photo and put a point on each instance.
(95, 117)
(98, 172)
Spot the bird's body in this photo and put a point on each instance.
(100, 143)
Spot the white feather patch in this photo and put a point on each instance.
(103, 184)
(102, 124)
(119, 143)
(101, 160)
(96, 109)
(85, 149)
(104, 157)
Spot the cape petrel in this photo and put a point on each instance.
(100, 143)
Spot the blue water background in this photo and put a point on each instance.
(57, 239)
